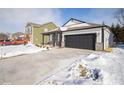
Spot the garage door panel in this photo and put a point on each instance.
(84, 41)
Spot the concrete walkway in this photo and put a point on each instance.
(27, 69)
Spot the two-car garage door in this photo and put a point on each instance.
(82, 41)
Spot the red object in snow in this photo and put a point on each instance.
(1, 42)
(6, 42)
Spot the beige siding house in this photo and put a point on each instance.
(34, 31)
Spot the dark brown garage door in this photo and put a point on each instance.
(83, 41)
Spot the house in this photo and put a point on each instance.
(79, 34)
(17, 35)
(33, 31)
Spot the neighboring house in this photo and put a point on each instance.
(34, 31)
(17, 35)
(78, 34)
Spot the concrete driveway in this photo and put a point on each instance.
(27, 69)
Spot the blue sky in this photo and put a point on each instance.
(90, 15)
(14, 19)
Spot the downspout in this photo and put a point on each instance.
(103, 37)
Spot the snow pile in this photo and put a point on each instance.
(14, 50)
(120, 45)
(96, 68)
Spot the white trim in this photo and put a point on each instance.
(86, 31)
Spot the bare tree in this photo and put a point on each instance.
(3, 36)
(120, 16)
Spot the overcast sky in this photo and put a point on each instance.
(14, 20)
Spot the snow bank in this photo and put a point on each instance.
(120, 45)
(14, 50)
(96, 68)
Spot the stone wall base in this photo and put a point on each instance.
(99, 46)
(62, 44)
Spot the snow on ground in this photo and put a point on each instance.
(14, 50)
(96, 68)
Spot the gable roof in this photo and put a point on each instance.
(76, 25)
(39, 25)
(32, 24)
(75, 21)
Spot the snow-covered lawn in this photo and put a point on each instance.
(14, 50)
(96, 68)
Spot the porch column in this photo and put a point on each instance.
(49, 38)
(60, 39)
(43, 39)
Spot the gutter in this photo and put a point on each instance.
(83, 28)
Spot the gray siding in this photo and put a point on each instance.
(108, 37)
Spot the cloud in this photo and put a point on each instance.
(14, 19)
